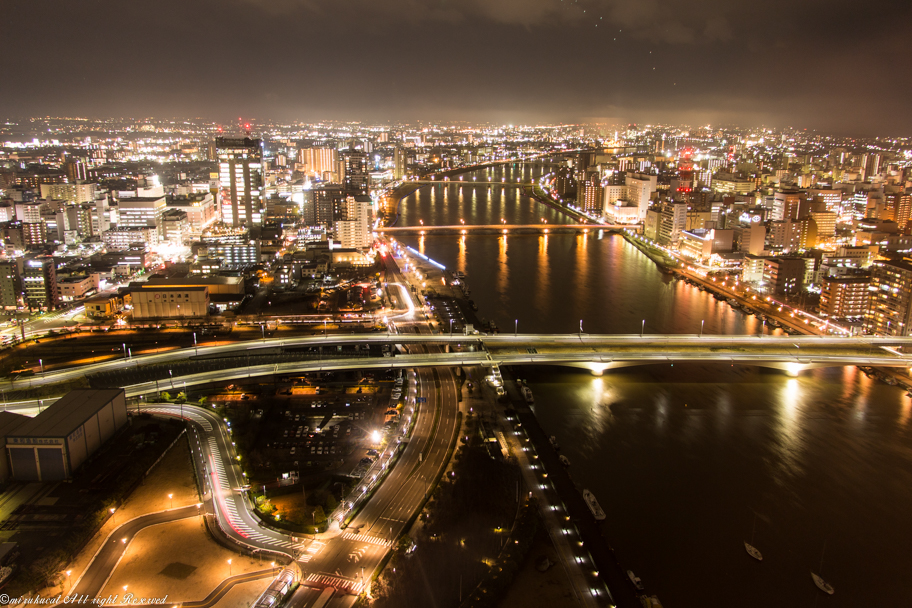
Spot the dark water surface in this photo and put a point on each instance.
(687, 459)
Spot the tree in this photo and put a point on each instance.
(166, 396)
(319, 516)
(330, 504)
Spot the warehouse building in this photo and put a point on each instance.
(52, 445)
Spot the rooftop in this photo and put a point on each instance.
(67, 413)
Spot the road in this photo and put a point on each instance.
(593, 347)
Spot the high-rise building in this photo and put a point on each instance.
(318, 161)
(353, 229)
(672, 221)
(10, 285)
(890, 307)
(141, 212)
(845, 297)
(39, 279)
(400, 161)
(784, 275)
(241, 179)
(356, 177)
(75, 193)
(589, 194)
(325, 205)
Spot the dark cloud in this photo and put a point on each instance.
(822, 64)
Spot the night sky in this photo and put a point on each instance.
(833, 65)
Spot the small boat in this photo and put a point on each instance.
(635, 580)
(527, 394)
(593, 505)
(822, 584)
(554, 443)
(564, 460)
(753, 551)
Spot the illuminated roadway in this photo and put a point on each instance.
(793, 353)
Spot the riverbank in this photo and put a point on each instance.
(663, 260)
(579, 520)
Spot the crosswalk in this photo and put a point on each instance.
(367, 538)
(338, 582)
(229, 501)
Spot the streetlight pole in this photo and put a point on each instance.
(516, 328)
(643, 328)
(124, 344)
(702, 321)
(581, 327)
(41, 364)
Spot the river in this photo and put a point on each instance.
(691, 460)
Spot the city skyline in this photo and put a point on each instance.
(543, 61)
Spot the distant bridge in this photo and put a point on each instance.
(467, 182)
(503, 228)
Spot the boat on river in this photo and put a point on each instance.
(753, 551)
(593, 505)
(635, 580)
(822, 584)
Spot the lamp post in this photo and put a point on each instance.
(516, 328)
(702, 321)
(229, 567)
(124, 344)
(41, 365)
(171, 498)
(170, 375)
(113, 516)
(581, 327)
(643, 328)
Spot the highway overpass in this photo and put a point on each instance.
(591, 351)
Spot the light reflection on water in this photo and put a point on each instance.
(683, 457)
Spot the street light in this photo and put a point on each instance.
(702, 321)
(581, 327)
(113, 517)
(41, 364)
(229, 567)
(171, 498)
(515, 328)
(643, 328)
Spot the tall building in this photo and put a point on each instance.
(890, 307)
(400, 161)
(845, 297)
(10, 285)
(141, 212)
(325, 205)
(241, 179)
(353, 230)
(784, 275)
(357, 171)
(75, 193)
(318, 161)
(672, 221)
(589, 194)
(39, 278)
